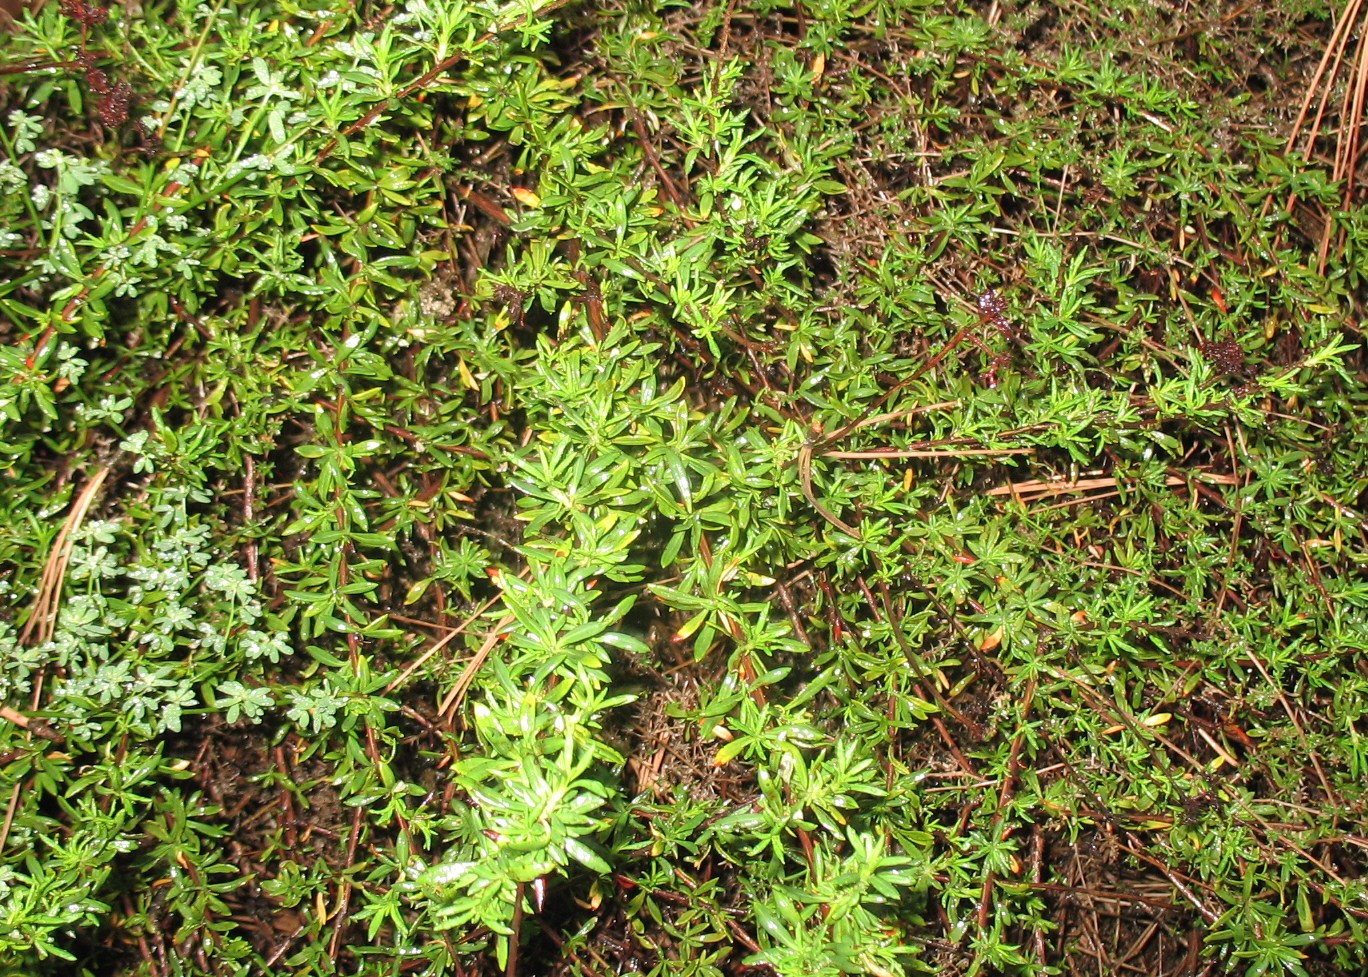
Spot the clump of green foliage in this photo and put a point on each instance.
(836, 489)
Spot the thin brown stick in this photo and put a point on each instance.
(805, 483)
(342, 912)
(1352, 106)
(43, 617)
(946, 453)
(249, 516)
(1036, 489)
(1301, 733)
(445, 640)
(1351, 131)
(10, 810)
(515, 940)
(18, 718)
(1137, 851)
(453, 699)
(1334, 51)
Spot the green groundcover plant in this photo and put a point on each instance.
(542, 487)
